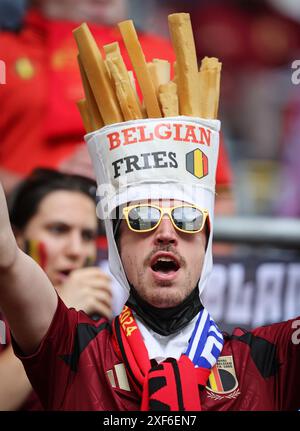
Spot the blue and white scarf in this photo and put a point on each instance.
(206, 342)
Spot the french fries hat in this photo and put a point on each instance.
(165, 158)
(173, 153)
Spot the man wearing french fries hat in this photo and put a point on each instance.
(155, 164)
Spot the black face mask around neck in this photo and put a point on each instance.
(166, 321)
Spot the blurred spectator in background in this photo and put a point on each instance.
(257, 41)
(11, 14)
(54, 220)
(289, 182)
(40, 125)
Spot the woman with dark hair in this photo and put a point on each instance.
(54, 220)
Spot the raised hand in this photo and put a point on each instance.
(88, 289)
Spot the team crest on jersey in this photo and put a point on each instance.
(197, 163)
(118, 378)
(222, 382)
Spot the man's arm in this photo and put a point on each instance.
(27, 298)
(284, 358)
(15, 386)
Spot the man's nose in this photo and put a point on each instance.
(165, 233)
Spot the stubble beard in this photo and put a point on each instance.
(163, 294)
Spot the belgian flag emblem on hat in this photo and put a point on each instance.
(197, 163)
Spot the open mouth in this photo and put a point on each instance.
(165, 265)
(66, 272)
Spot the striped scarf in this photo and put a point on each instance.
(171, 385)
(206, 342)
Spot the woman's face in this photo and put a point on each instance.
(66, 224)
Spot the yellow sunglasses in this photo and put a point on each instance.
(146, 217)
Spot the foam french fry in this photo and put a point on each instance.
(85, 115)
(163, 70)
(206, 93)
(186, 63)
(152, 72)
(160, 72)
(125, 93)
(138, 61)
(96, 119)
(168, 99)
(133, 84)
(175, 79)
(215, 64)
(210, 63)
(97, 74)
(209, 80)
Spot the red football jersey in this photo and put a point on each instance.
(76, 368)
